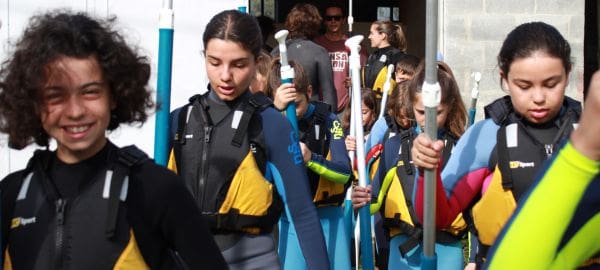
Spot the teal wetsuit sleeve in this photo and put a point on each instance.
(286, 157)
(376, 135)
(336, 168)
(534, 238)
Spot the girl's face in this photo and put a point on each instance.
(378, 40)
(537, 85)
(76, 107)
(230, 68)
(419, 111)
(301, 104)
(367, 114)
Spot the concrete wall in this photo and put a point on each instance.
(472, 32)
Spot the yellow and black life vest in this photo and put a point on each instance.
(223, 164)
(518, 156)
(313, 134)
(398, 212)
(373, 156)
(375, 72)
(89, 232)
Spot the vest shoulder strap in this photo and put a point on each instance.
(449, 141)
(321, 112)
(131, 155)
(180, 119)
(256, 103)
(503, 158)
(260, 101)
(127, 157)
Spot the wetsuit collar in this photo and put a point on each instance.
(309, 112)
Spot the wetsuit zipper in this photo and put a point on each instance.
(549, 151)
(204, 164)
(59, 240)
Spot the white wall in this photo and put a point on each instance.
(138, 20)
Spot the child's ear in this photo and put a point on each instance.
(503, 82)
(309, 91)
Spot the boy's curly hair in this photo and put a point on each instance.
(57, 34)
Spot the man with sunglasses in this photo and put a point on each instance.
(333, 41)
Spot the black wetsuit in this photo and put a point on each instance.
(317, 66)
(160, 212)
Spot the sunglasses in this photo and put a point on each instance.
(333, 18)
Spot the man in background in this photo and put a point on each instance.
(333, 41)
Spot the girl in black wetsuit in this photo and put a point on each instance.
(390, 46)
(236, 154)
(89, 204)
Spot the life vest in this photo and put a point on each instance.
(314, 134)
(224, 164)
(398, 212)
(89, 232)
(375, 73)
(519, 156)
(373, 156)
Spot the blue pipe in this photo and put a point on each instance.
(290, 111)
(163, 96)
(471, 117)
(366, 244)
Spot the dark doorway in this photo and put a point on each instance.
(410, 14)
(590, 43)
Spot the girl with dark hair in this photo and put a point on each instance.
(238, 155)
(495, 162)
(370, 110)
(390, 43)
(329, 172)
(303, 22)
(71, 79)
(395, 177)
(552, 228)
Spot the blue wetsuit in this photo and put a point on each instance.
(449, 253)
(330, 163)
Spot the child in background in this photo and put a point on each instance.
(369, 111)
(396, 117)
(390, 45)
(326, 157)
(395, 178)
(406, 68)
(259, 83)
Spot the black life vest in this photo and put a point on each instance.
(224, 163)
(90, 231)
(517, 156)
(314, 134)
(376, 68)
